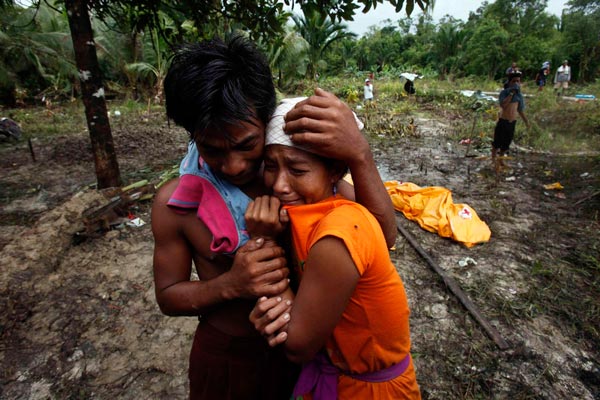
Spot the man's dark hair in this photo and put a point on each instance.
(513, 75)
(218, 82)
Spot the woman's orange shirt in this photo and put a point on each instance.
(373, 332)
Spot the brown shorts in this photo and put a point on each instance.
(226, 367)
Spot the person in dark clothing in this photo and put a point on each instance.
(409, 87)
(512, 103)
(542, 75)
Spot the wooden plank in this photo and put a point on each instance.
(456, 290)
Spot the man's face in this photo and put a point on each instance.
(237, 157)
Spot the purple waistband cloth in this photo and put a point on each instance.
(319, 377)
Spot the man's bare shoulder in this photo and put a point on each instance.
(162, 215)
(171, 225)
(165, 192)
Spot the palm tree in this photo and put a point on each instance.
(448, 43)
(154, 66)
(35, 51)
(319, 31)
(286, 57)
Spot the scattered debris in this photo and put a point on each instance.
(136, 222)
(554, 186)
(478, 94)
(10, 128)
(30, 145)
(587, 198)
(102, 218)
(168, 175)
(466, 261)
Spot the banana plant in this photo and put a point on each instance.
(155, 66)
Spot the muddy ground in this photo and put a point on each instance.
(79, 319)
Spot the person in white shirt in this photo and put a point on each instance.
(368, 90)
(562, 78)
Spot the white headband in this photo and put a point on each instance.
(274, 130)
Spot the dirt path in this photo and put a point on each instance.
(80, 321)
(535, 231)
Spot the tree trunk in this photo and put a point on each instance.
(92, 93)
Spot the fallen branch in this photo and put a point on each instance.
(456, 290)
(31, 149)
(586, 198)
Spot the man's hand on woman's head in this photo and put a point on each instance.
(325, 125)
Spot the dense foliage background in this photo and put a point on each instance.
(135, 38)
(44, 45)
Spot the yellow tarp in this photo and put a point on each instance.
(432, 208)
(554, 186)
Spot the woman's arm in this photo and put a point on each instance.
(304, 323)
(328, 282)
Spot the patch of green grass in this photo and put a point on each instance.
(68, 118)
(63, 119)
(557, 124)
(569, 289)
(561, 125)
(538, 268)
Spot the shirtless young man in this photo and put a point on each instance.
(512, 103)
(223, 95)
